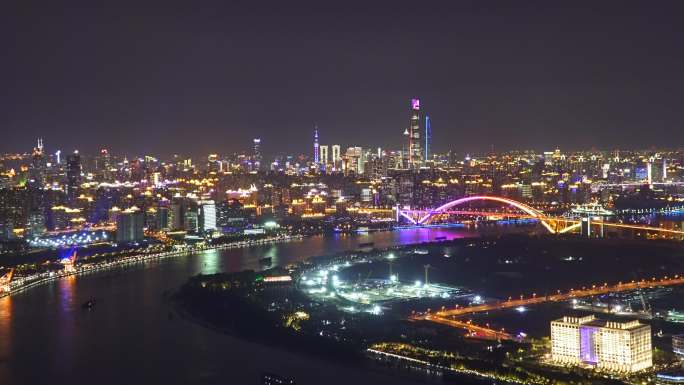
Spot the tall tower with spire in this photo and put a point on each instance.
(316, 153)
(415, 136)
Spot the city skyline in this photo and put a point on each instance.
(386, 192)
(504, 76)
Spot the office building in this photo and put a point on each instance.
(191, 220)
(207, 218)
(607, 345)
(164, 218)
(37, 166)
(336, 156)
(73, 174)
(257, 154)
(324, 156)
(428, 138)
(415, 136)
(678, 345)
(129, 226)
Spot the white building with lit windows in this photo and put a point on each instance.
(608, 345)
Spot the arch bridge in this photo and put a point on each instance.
(514, 209)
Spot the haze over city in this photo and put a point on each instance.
(174, 77)
(472, 192)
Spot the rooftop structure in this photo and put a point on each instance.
(609, 345)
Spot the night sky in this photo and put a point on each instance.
(195, 77)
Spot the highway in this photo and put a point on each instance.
(448, 316)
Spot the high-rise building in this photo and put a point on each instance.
(355, 160)
(129, 226)
(415, 132)
(316, 152)
(324, 156)
(163, 218)
(678, 344)
(608, 345)
(176, 212)
(37, 167)
(207, 218)
(336, 156)
(428, 138)
(73, 173)
(103, 166)
(191, 220)
(35, 225)
(257, 154)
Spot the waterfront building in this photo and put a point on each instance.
(608, 345)
(129, 226)
(151, 219)
(678, 345)
(670, 377)
(191, 220)
(163, 218)
(207, 218)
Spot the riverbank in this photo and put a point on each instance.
(46, 336)
(21, 284)
(350, 312)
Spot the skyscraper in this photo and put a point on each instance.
(428, 138)
(129, 226)
(316, 154)
(324, 156)
(336, 156)
(207, 218)
(415, 144)
(37, 167)
(73, 173)
(257, 153)
(103, 165)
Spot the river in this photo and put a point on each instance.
(129, 338)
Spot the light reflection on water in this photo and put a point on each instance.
(46, 337)
(210, 261)
(6, 337)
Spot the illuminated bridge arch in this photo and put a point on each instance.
(532, 212)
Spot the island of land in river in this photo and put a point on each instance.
(363, 304)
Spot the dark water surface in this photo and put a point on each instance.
(47, 338)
